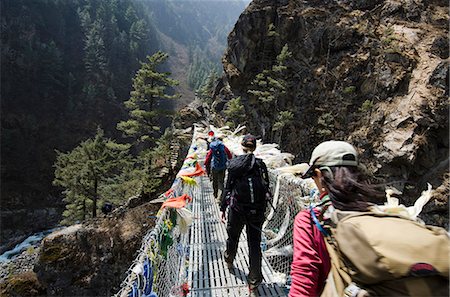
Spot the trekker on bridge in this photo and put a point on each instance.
(369, 252)
(210, 139)
(216, 163)
(245, 192)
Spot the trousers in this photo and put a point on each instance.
(218, 177)
(253, 222)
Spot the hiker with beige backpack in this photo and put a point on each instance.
(347, 245)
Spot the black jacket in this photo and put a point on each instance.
(239, 167)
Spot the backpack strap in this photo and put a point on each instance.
(252, 162)
(341, 279)
(317, 223)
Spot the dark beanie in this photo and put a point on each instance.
(249, 141)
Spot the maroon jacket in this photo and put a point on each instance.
(311, 263)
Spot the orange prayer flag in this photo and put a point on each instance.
(199, 171)
(169, 192)
(177, 202)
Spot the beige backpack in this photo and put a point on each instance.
(376, 254)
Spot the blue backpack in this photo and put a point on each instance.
(219, 157)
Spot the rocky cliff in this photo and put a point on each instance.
(87, 259)
(374, 73)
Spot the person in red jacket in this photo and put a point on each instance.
(216, 163)
(335, 170)
(311, 262)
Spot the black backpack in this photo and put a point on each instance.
(249, 189)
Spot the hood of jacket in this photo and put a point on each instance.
(241, 164)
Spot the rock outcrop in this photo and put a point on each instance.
(192, 113)
(375, 73)
(88, 259)
(91, 259)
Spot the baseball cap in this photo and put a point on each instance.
(249, 141)
(332, 153)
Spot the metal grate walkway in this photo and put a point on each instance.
(208, 274)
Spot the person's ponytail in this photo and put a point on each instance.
(349, 189)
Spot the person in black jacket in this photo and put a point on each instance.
(246, 192)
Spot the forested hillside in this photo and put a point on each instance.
(194, 34)
(67, 69)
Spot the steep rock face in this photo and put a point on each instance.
(374, 73)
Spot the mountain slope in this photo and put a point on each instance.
(374, 73)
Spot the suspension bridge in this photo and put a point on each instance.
(183, 254)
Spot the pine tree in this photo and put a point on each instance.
(150, 163)
(138, 34)
(270, 84)
(97, 89)
(269, 87)
(283, 119)
(205, 92)
(83, 172)
(95, 58)
(235, 112)
(200, 67)
(149, 86)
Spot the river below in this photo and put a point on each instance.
(31, 241)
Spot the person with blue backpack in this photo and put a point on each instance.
(216, 163)
(246, 193)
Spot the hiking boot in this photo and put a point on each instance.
(229, 265)
(228, 260)
(252, 292)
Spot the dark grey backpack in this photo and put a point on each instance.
(249, 189)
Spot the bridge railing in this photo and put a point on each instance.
(159, 268)
(291, 194)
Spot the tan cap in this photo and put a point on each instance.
(332, 153)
